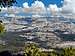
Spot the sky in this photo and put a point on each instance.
(46, 2)
(41, 8)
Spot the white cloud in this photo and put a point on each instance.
(25, 5)
(53, 9)
(15, 10)
(68, 7)
(67, 1)
(38, 6)
(26, 8)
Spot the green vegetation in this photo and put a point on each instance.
(33, 50)
(68, 51)
(1, 28)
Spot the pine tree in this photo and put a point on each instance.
(4, 3)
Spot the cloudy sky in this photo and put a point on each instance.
(46, 2)
(41, 7)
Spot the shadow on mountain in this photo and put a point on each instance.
(8, 53)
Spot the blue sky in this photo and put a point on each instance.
(46, 2)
